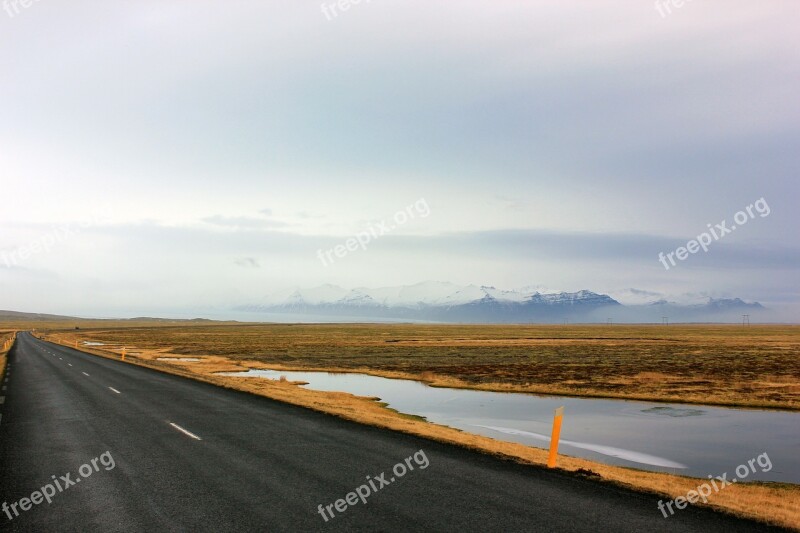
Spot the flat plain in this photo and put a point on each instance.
(732, 365)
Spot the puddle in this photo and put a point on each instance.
(88, 343)
(683, 439)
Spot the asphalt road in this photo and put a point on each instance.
(172, 454)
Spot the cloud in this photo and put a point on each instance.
(307, 215)
(620, 248)
(247, 262)
(575, 250)
(249, 223)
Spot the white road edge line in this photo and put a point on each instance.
(115, 390)
(70, 364)
(85, 374)
(189, 433)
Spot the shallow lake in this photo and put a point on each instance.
(693, 440)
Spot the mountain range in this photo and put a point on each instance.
(448, 302)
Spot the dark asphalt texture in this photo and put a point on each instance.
(262, 465)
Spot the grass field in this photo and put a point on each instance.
(756, 366)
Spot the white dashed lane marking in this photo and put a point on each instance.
(185, 432)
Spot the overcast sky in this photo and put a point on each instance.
(166, 156)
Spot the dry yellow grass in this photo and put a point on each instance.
(5, 335)
(758, 366)
(773, 503)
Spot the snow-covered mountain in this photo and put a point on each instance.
(437, 301)
(429, 293)
(448, 302)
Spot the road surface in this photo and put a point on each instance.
(172, 454)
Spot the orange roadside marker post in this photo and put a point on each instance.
(551, 459)
(123, 353)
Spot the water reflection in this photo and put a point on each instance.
(685, 439)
